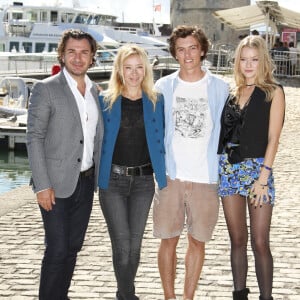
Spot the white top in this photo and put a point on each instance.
(89, 117)
(193, 126)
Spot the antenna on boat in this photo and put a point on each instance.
(153, 10)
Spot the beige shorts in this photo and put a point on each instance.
(184, 202)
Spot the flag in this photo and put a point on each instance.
(157, 7)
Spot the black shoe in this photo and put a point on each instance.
(119, 297)
(241, 295)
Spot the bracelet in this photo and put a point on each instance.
(267, 168)
(262, 185)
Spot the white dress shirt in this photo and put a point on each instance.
(89, 117)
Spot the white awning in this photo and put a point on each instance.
(268, 13)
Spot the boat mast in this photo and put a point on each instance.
(153, 20)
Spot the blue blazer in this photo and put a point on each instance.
(154, 127)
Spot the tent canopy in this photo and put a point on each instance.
(263, 12)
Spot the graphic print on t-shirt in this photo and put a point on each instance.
(192, 130)
(190, 117)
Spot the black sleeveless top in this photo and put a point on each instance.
(247, 128)
(131, 145)
(233, 120)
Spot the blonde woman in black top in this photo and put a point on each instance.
(133, 157)
(251, 124)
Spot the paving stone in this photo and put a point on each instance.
(22, 240)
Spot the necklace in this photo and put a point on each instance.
(250, 84)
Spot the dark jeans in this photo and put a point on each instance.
(125, 206)
(65, 227)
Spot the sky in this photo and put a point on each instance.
(134, 11)
(126, 10)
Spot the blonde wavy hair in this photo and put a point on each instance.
(116, 82)
(264, 77)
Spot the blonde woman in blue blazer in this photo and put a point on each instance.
(132, 152)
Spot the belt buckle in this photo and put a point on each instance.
(126, 171)
(130, 171)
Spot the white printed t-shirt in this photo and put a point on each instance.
(193, 126)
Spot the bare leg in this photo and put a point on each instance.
(260, 220)
(235, 214)
(193, 265)
(167, 260)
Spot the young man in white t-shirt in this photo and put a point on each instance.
(194, 100)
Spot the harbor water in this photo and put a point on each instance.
(14, 169)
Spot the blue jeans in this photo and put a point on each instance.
(125, 206)
(65, 227)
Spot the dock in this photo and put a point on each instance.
(13, 130)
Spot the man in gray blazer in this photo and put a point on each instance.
(64, 136)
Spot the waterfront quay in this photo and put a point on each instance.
(21, 240)
(13, 130)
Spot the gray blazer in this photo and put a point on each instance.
(55, 137)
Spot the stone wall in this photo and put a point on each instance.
(199, 12)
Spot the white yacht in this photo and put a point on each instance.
(37, 29)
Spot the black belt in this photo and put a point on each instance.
(88, 172)
(132, 171)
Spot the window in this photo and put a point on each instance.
(67, 17)
(52, 47)
(14, 46)
(43, 16)
(40, 47)
(17, 15)
(32, 16)
(27, 47)
(54, 16)
(81, 19)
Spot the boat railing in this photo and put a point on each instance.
(218, 61)
(19, 27)
(36, 64)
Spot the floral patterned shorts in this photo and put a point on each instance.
(238, 178)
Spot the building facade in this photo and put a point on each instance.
(200, 12)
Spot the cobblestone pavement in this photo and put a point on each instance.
(21, 240)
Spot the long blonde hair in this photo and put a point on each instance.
(264, 78)
(116, 82)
